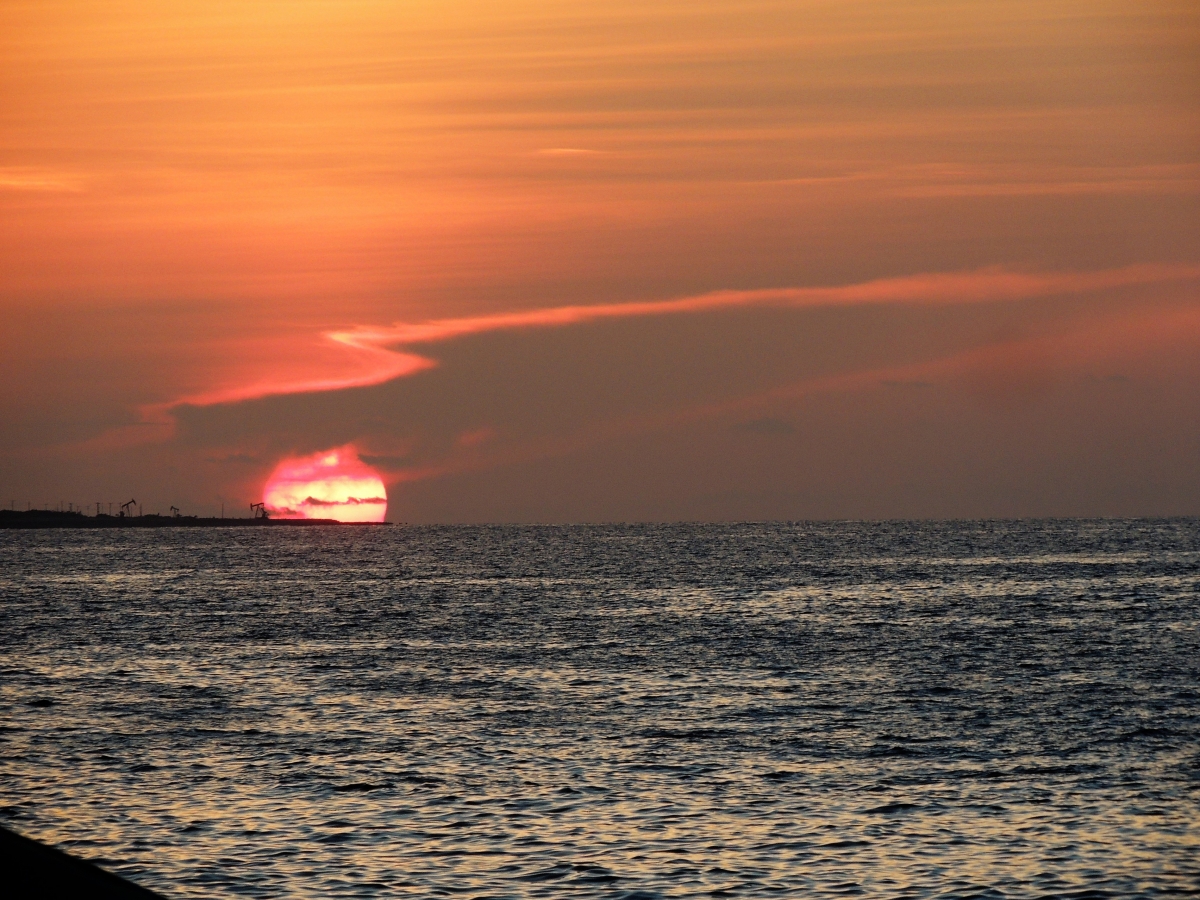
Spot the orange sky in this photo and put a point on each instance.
(228, 232)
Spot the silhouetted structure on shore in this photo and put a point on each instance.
(49, 518)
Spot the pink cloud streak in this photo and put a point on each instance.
(372, 359)
(370, 364)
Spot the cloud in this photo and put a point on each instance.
(24, 178)
(368, 355)
(352, 501)
(365, 364)
(569, 151)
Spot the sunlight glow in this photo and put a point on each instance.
(332, 484)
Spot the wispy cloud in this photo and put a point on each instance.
(374, 354)
(569, 151)
(23, 178)
(979, 180)
(349, 501)
(365, 363)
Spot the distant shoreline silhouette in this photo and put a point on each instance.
(51, 518)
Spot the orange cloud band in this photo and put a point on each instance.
(371, 357)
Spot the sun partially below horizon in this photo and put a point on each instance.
(332, 484)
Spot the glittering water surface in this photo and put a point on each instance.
(898, 709)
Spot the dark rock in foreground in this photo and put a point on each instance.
(32, 869)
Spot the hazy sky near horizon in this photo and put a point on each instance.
(605, 261)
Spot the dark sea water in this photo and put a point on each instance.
(989, 709)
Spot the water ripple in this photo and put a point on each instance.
(895, 710)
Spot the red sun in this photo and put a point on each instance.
(333, 484)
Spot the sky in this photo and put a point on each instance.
(583, 261)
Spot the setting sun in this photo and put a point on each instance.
(332, 484)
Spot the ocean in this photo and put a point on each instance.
(899, 709)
